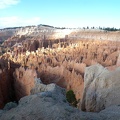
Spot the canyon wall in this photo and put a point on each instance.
(23, 82)
(65, 66)
(48, 102)
(7, 91)
(43, 33)
(63, 63)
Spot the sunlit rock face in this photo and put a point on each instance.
(64, 78)
(42, 34)
(31, 33)
(101, 88)
(63, 61)
(96, 34)
(48, 32)
(65, 66)
(24, 81)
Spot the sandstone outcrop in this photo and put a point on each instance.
(41, 32)
(56, 65)
(64, 78)
(24, 81)
(63, 62)
(6, 82)
(101, 88)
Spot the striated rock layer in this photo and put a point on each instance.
(101, 88)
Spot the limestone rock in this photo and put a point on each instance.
(10, 105)
(112, 112)
(101, 88)
(51, 104)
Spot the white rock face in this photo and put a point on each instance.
(101, 88)
(48, 102)
(54, 33)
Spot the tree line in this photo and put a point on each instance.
(104, 28)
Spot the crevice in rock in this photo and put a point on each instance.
(7, 89)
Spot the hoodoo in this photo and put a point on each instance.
(38, 73)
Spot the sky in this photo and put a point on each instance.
(60, 13)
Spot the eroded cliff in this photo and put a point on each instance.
(63, 63)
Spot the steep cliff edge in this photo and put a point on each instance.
(48, 102)
(101, 88)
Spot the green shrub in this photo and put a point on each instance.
(70, 96)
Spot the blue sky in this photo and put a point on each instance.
(61, 13)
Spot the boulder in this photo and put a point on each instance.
(111, 113)
(51, 104)
(10, 105)
(101, 88)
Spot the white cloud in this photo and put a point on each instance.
(15, 21)
(7, 3)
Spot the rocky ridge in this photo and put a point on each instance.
(67, 64)
(49, 102)
(41, 32)
(64, 66)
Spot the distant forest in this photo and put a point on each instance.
(104, 28)
(110, 29)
